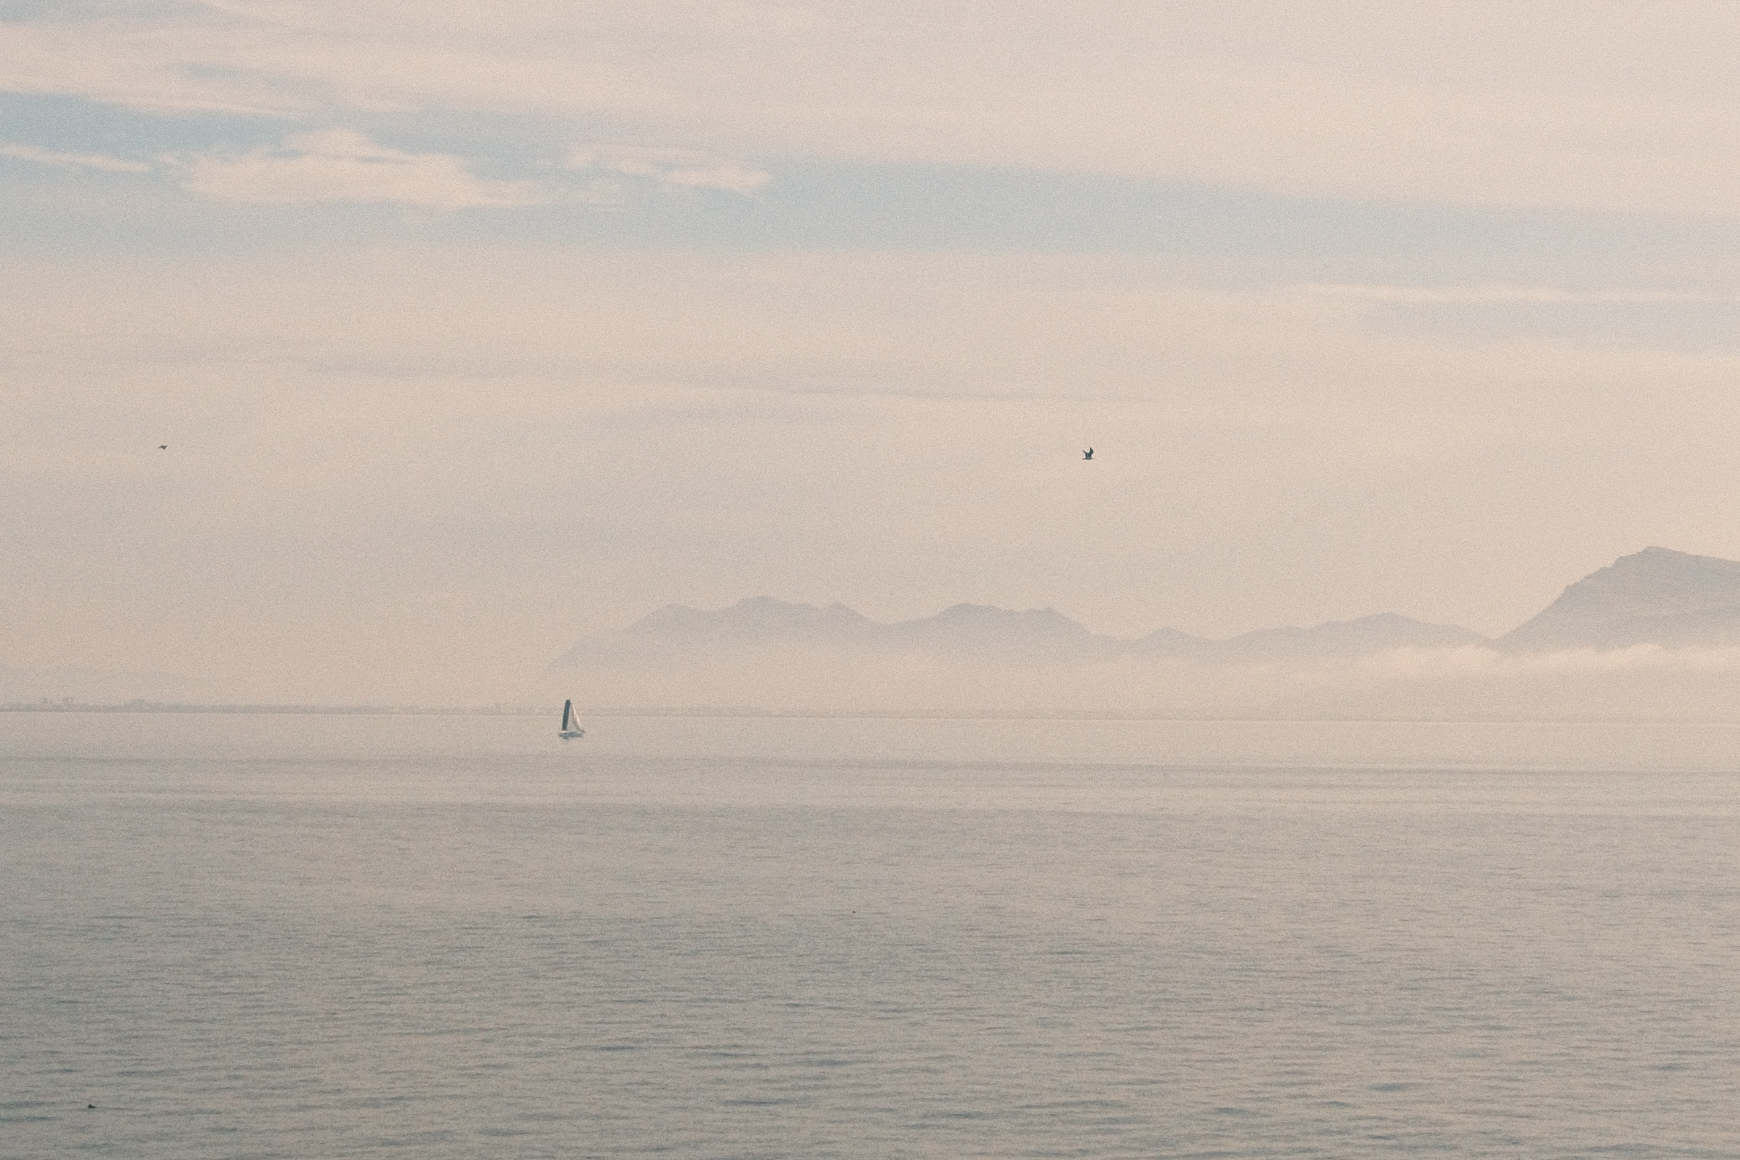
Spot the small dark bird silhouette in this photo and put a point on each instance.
(163, 447)
(1088, 454)
(88, 1107)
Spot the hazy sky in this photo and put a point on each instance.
(474, 328)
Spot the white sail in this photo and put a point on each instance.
(569, 727)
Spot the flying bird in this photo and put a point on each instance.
(1088, 454)
(163, 447)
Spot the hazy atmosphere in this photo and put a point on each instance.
(815, 581)
(381, 352)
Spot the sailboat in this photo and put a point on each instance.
(570, 728)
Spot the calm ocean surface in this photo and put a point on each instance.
(307, 936)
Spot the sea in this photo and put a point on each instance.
(276, 935)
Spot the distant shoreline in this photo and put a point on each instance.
(303, 710)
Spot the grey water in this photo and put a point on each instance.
(331, 936)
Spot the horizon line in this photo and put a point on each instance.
(702, 712)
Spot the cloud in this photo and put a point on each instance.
(73, 160)
(1626, 317)
(679, 168)
(1463, 101)
(341, 165)
(1498, 292)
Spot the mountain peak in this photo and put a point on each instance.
(752, 617)
(1657, 595)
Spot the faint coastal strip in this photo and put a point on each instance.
(139, 705)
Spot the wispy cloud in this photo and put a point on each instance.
(73, 160)
(672, 168)
(341, 165)
(1199, 91)
(1499, 292)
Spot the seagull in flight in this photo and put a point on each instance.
(1088, 454)
(163, 447)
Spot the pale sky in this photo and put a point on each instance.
(475, 328)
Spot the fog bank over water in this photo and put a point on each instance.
(1645, 682)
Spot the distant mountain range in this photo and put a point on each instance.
(982, 632)
(765, 655)
(1656, 596)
